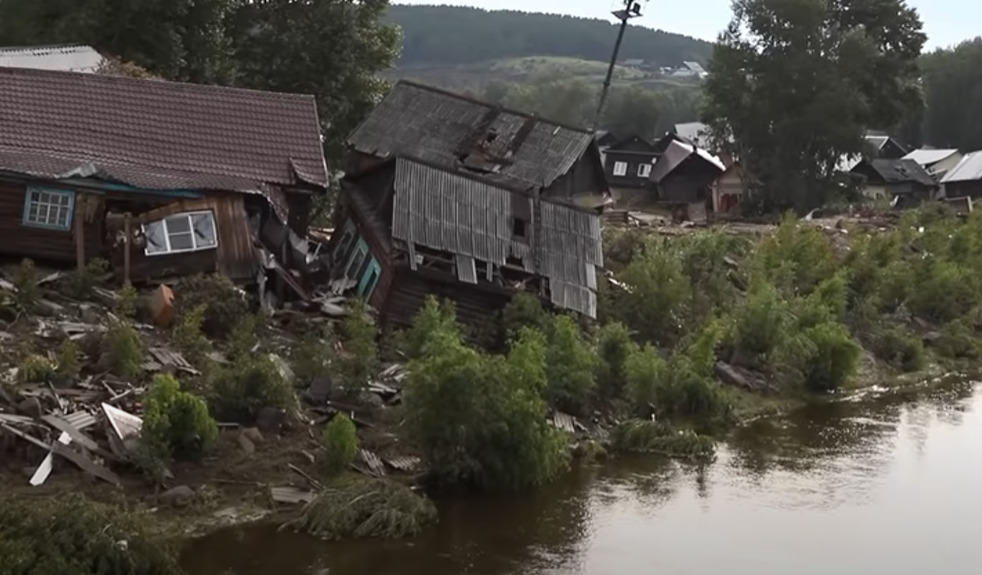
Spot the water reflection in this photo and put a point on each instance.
(887, 483)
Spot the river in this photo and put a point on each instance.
(882, 485)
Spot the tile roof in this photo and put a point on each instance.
(968, 169)
(435, 126)
(896, 171)
(157, 135)
(926, 157)
(67, 58)
(446, 209)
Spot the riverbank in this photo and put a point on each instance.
(837, 289)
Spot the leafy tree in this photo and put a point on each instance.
(614, 346)
(570, 367)
(636, 110)
(953, 76)
(359, 362)
(480, 420)
(525, 310)
(783, 68)
(433, 319)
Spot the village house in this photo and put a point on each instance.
(450, 196)
(936, 162)
(162, 179)
(730, 188)
(628, 164)
(683, 176)
(904, 181)
(62, 57)
(965, 179)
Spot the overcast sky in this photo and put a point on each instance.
(945, 21)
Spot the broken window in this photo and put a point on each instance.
(179, 233)
(518, 227)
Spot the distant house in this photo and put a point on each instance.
(689, 70)
(730, 187)
(64, 58)
(936, 162)
(683, 176)
(163, 179)
(628, 165)
(904, 180)
(876, 144)
(965, 179)
(451, 196)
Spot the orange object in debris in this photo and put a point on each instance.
(162, 306)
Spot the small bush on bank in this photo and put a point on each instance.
(900, 349)
(123, 344)
(68, 358)
(35, 369)
(189, 338)
(524, 311)
(27, 291)
(435, 317)
(829, 357)
(359, 361)
(365, 508)
(176, 423)
(126, 305)
(656, 437)
(236, 393)
(223, 303)
(70, 535)
(614, 347)
(570, 367)
(81, 283)
(312, 357)
(340, 444)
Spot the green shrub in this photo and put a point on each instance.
(239, 391)
(958, 341)
(312, 356)
(570, 367)
(223, 302)
(176, 423)
(365, 508)
(68, 358)
(124, 345)
(69, 535)
(797, 257)
(27, 291)
(126, 305)
(657, 437)
(480, 420)
(900, 349)
(524, 310)
(658, 293)
(614, 346)
(760, 324)
(35, 369)
(340, 443)
(678, 388)
(81, 283)
(359, 362)
(435, 317)
(826, 357)
(188, 337)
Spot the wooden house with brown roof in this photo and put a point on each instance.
(162, 178)
(452, 197)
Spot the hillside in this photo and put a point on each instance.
(461, 47)
(451, 35)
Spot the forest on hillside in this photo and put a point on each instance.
(450, 35)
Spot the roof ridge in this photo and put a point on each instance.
(486, 104)
(151, 82)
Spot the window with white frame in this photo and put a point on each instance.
(187, 232)
(620, 168)
(644, 170)
(48, 208)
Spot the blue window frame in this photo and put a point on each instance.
(369, 279)
(49, 208)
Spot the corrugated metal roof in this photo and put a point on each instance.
(927, 157)
(154, 134)
(442, 209)
(676, 153)
(64, 58)
(968, 169)
(896, 171)
(433, 125)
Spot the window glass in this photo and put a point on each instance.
(49, 208)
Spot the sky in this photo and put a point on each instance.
(946, 22)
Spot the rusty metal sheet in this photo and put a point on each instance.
(372, 461)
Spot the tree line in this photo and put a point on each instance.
(448, 35)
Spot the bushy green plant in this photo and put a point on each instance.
(124, 345)
(614, 347)
(658, 437)
(247, 331)
(524, 310)
(657, 295)
(340, 444)
(797, 257)
(27, 291)
(435, 317)
(679, 388)
(959, 341)
(312, 356)
(189, 338)
(900, 349)
(570, 367)
(70, 535)
(223, 302)
(237, 392)
(760, 323)
(68, 358)
(81, 283)
(176, 423)
(126, 305)
(480, 420)
(825, 356)
(35, 369)
(359, 361)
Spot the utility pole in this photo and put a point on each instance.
(624, 11)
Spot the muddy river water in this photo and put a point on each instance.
(882, 485)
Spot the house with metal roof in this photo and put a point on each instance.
(904, 181)
(965, 179)
(450, 196)
(936, 162)
(63, 57)
(160, 178)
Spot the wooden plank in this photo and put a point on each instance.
(86, 464)
(80, 231)
(127, 234)
(78, 436)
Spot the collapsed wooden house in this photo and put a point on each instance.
(453, 197)
(163, 179)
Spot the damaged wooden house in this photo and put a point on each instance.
(450, 196)
(162, 179)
